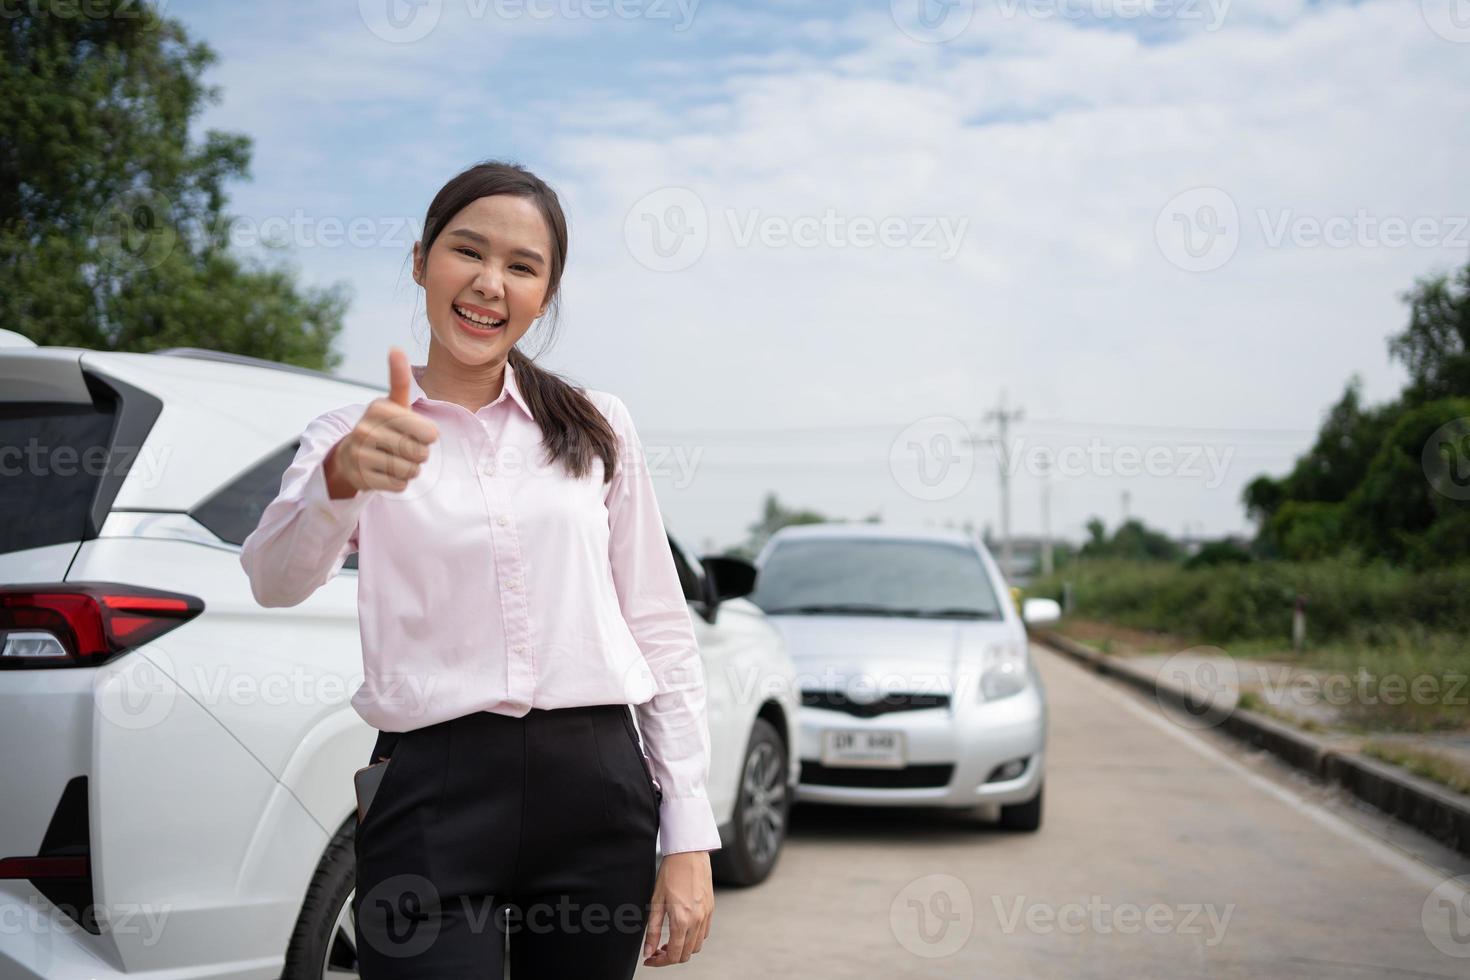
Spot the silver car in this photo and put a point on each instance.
(917, 687)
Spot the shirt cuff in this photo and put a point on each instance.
(319, 501)
(687, 824)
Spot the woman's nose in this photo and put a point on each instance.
(487, 283)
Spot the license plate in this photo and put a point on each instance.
(883, 750)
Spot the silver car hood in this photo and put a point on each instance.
(911, 655)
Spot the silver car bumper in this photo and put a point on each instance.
(971, 739)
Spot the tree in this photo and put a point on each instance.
(773, 518)
(1346, 443)
(1132, 541)
(1435, 346)
(1416, 495)
(113, 231)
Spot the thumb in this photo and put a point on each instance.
(398, 376)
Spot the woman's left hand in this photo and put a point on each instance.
(685, 896)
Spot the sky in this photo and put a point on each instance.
(821, 250)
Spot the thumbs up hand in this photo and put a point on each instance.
(387, 446)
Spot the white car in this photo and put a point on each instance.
(917, 687)
(178, 795)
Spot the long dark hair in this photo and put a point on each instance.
(572, 429)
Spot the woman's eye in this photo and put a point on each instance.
(519, 265)
(467, 251)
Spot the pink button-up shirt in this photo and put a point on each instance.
(497, 583)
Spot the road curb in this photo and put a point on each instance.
(1425, 805)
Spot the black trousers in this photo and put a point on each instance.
(487, 832)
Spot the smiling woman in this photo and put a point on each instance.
(514, 571)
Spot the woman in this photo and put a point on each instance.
(516, 594)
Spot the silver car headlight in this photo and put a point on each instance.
(1004, 673)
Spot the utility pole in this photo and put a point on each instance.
(1003, 418)
(1046, 555)
(1126, 498)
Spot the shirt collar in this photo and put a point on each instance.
(510, 386)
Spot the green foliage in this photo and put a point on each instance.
(1395, 511)
(1305, 530)
(1367, 485)
(1435, 346)
(1132, 540)
(1214, 553)
(113, 233)
(1368, 604)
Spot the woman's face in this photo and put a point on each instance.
(492, 261)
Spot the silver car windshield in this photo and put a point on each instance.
(880, 577)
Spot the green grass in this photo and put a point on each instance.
(1399, 638)
(1251, 701)
(1423, 762)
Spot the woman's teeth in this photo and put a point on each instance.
(477, 319)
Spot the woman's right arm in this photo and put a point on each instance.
(305, 534)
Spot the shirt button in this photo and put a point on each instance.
(519, 648)
(489, 470)
(513, 584)
(502, 520)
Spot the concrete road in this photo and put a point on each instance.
(1165, 852)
